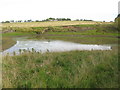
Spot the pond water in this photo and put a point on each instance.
(52, 46)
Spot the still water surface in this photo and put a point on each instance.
(52, 46)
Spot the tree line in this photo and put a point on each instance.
(48, 19)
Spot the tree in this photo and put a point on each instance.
(87, 20)
(77, 20)
(118, 15)
(12, 21)
(25, 21)
(50, 19)
(29, 20)
(37, 21)
(5, 21)
(19, 21)
(68, 19)
(81, 19)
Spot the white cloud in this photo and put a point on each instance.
(42, 9)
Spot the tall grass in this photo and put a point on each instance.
(74, 69)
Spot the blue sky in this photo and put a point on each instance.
(98, 10)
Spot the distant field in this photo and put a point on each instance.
(50, 23)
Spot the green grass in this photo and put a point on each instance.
(74, 69)
(91, 32)
(106, 29)
(14, 34)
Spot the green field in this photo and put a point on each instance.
(51, 23)
(73, 69)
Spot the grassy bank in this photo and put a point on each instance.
(17, 34)
(9, 39)
(7, 42)
(75, 69)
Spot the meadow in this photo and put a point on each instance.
(50, 23)
(73, 69)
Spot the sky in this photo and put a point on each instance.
(119, 7)
(97, 10)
